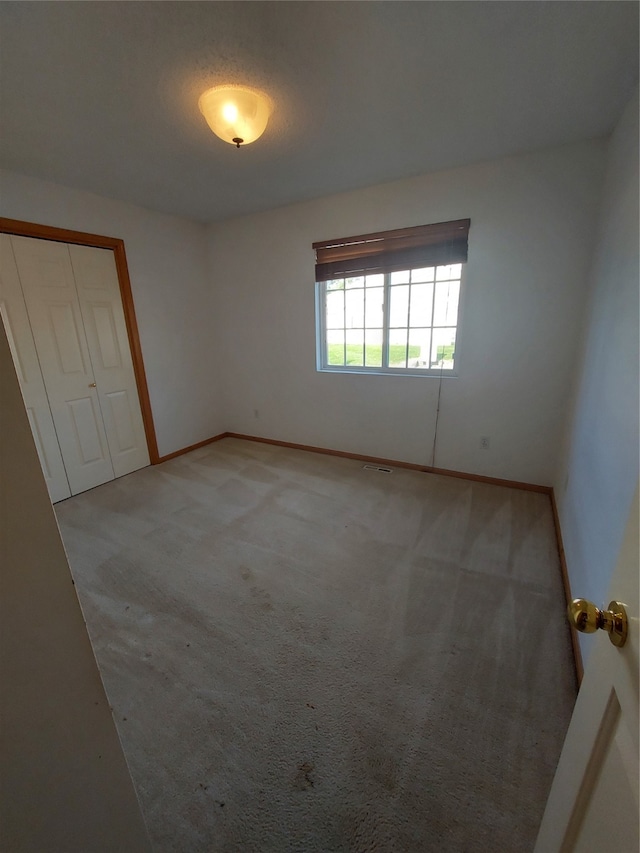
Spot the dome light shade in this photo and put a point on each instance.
(237, 114)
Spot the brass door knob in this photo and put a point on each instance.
(586, 617)
(92, 385)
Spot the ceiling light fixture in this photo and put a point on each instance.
(237, 114)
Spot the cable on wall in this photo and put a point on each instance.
(435, 431)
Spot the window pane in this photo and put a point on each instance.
(424, 274)
(452, 308)
(446, 304)
(448, 271)
(401, 277)
(356, 281)
(421, 304)
(335, 347)
(399, 306)
(443, 348)
(398, 348)
(373, 308)
(355, 309)
(336, 284)
(335, 309)
(376, 280)
(355, 347)
(373, 348)
(419, 347)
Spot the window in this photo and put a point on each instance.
(389, 302)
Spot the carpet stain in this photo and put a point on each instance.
(302, 779)
(260, 596)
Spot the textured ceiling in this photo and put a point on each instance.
(103, 95)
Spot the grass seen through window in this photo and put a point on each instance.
(374, 354)
(397, 354)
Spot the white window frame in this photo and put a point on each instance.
(321, 337)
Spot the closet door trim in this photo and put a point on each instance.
(63, 235)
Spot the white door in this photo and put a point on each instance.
(75, 313)
(98, 289)
(54, 313)
(25, 359)
(593, 804)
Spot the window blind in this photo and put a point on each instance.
(388, 251)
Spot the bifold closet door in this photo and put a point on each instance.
(98, 290)
(64, 317)
(25, 358)
(54, 312)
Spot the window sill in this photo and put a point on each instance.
(401, 371)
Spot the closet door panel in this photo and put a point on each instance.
(65, 337)
(121, 416)
(56, 319)
(84, 417)
(25, 358)
(96, 280)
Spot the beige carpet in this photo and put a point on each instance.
(304, 655)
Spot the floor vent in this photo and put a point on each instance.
(378, 468)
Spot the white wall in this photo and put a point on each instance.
(598, 472)
(65, 783)
(532, 226)
(167, 264)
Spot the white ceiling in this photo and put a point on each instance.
(103, 95)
